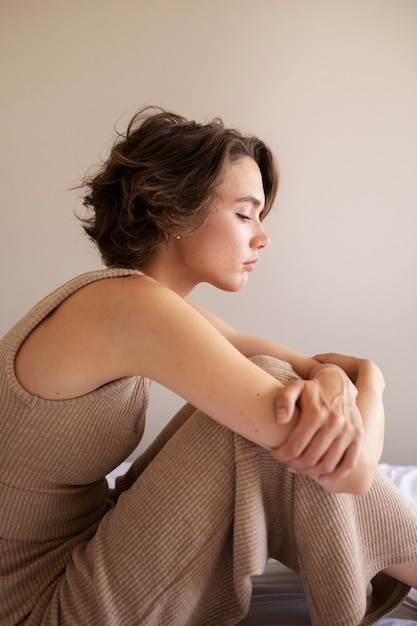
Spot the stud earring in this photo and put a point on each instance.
(178, 237)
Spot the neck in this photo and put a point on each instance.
(168, 271)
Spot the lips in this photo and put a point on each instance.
(250, 265)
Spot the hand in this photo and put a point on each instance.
(349, 364)
(326, 442)
(354, 367)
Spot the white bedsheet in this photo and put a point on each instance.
(405, 477)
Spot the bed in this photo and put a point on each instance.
(278, 598)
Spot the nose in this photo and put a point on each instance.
(261, 240)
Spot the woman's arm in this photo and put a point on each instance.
(134, 326)
(369, 383)
(250, 345)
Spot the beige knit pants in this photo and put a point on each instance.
(200, 512)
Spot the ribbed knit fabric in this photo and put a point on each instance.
(196, 515)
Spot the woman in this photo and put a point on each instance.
(268, 457)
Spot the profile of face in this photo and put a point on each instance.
(226, 250)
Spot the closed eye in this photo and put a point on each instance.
(243, 217)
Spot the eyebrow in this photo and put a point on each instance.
(255, 201)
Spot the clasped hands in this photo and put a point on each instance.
(327, 439)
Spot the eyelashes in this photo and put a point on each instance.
(243, 217)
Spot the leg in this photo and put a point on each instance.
(353, 538)
(406, 573)
(181, 543)
(204, 510)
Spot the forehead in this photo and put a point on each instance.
(243, 178)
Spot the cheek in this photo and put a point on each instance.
(216, 242)
(212, 238)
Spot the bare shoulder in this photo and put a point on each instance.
(136, 327)
(78, 347)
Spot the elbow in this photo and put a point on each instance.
(360, 486)
(356, 487)
(358, 482)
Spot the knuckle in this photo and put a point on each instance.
(309, 460)
(338, 421)
(294, 449)
(347, 464)
(360, 431)
(326, 466)
(320, 416)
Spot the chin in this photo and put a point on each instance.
(231, 287)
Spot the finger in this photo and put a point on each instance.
(331, 358)
(348, 463)
(306, 448)
(322, 358)
(322, 455)
(286, 401)
(335, 457)
(348, 459)
(312, 418)
(298, 441)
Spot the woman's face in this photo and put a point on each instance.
(226, 250)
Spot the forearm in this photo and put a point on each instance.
(249, 345)
(368, 381)
(333, 387)
(252, 346)
(370, 385)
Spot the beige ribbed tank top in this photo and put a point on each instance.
(56, 453)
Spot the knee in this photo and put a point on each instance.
(281, 370)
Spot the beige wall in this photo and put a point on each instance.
(331, 84)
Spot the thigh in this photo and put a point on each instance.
(154, 552)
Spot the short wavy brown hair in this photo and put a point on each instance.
(160, 180)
